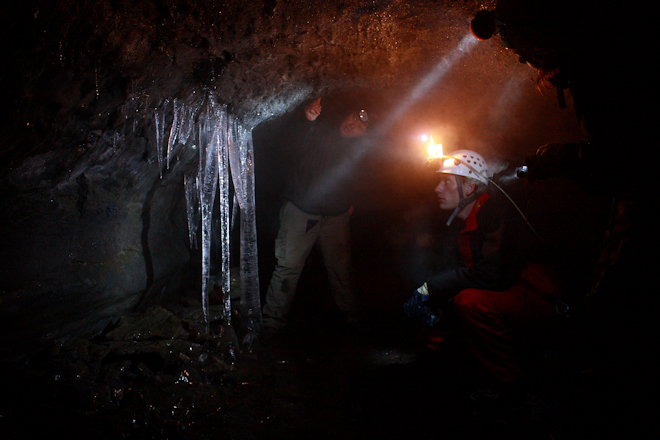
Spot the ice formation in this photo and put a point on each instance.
(225, 165)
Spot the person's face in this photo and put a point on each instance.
(447, 192)
(352, 126)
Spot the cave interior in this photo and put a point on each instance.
(122, 317)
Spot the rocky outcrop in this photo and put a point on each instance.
(93, 225)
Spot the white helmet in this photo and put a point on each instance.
(466, 163)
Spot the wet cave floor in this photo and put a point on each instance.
(317, 380)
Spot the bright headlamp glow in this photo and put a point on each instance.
(435, 150)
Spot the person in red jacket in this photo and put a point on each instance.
(504, 300)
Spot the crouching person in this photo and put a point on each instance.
(503, 300)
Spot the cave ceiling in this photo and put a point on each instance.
(91, 224)
(73, 67)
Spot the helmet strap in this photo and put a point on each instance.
(462, 200)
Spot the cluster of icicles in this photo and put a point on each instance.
(225, 153)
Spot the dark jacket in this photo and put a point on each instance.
(498, 243)
(323, 165)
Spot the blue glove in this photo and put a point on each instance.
(416, 300)
(415, 308)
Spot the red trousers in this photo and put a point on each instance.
(501, 327)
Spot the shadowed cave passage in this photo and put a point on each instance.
(106, 330)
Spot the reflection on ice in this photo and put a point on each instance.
(225, 164)
(191, 188)
(209, 144)
(242, 165)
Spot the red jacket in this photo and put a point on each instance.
(493, 253)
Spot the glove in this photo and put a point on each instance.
(416, 300)
(415, 308)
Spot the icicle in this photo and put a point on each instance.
(187, 121)
(183, 122)
(214, 133)
(159, 117)
(225, 233)
(191, 187)
(213, 175)
(208, 181)
(249, 260)
(174, 131)
(225, 157)
(241, 157)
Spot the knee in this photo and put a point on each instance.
(471, 302)
(288, 270)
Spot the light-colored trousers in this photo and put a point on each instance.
(298, 234)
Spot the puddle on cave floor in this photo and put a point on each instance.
(316, 381)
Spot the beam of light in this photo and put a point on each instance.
(509, 99)
(430, 80)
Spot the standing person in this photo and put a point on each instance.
(316, 211)
(502, 300)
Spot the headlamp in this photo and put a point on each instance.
(483, 25)
(364, 117)
(522, 171)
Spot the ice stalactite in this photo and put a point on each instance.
(208, 184)
(188, 114)
(225, 158)
(182, 128)
(223, 202)
(159, 118)
(191, 189)
(242, 172)
(174, 131)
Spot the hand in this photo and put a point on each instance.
(313, 109)
(415, 308)
(416, 300)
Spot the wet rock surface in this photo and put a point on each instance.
(91, 231)
(156, 374)
(93, 227)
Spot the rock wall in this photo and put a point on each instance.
(89, 227)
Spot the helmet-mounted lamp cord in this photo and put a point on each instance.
(467, 201)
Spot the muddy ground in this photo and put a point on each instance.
(156, 375)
